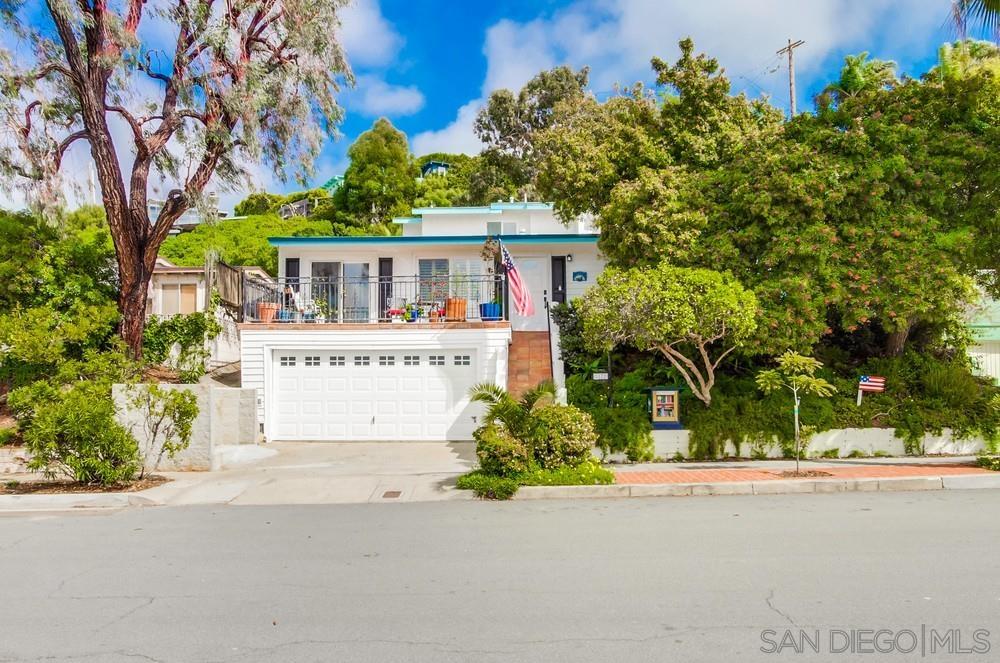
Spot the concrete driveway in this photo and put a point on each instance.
(328, 473)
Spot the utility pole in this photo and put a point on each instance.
(790, 49)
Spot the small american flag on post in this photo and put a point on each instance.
(871, 383)
(518, 291)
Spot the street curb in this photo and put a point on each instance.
(72, 501)
(770, 487)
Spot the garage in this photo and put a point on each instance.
(373, 394)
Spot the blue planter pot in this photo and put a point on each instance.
(489, 311)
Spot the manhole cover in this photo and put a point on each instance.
(391, 494)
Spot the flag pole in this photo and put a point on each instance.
(860, 394)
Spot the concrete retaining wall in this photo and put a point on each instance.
(669, 443)
(226, 416)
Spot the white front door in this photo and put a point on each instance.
(373, 395)
(534, 271)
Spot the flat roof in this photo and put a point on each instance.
(555, 238)
(492, 208)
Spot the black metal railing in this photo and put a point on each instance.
(414, 299)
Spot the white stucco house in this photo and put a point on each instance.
(175, 290)
(381, 338)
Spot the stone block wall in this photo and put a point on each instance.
(226, 416)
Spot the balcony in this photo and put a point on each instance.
(476, 298)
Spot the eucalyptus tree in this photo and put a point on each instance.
(180, 91)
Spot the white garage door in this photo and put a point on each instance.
(374, 395)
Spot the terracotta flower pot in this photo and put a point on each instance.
(266, 311)
(454, 309)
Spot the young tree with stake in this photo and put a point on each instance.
(230, 83)
(796, 373)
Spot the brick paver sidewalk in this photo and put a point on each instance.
(723, 475)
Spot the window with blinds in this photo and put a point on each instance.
(433, 279)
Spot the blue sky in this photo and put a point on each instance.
(428, 66)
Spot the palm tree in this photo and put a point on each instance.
(859, 74)
(513, 414)
(984, 12)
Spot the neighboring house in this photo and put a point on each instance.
(434, 168)
(190, 219)
(332, 358)
(177, 290)
(985, 326)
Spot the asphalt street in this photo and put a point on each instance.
(675, 579)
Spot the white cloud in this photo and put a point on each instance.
(374, 96)
(617, 39)
(368, 39)
(457, 137)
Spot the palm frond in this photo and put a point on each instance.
(538, 396)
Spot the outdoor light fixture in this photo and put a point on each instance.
(569, 257)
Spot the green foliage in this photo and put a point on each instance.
(57, 292)
(561, 435)
(515, 415)
(72, 432)
(587, 473)
(8, 436)
(488, 486)
(989, 461)
(167, 416)
(682, 313)
(830, 453)
(624, 430)
(500, 453)
(240, 241)
(380, 181)
(189, 333)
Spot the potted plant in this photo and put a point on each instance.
(266, 311)
(396, 315)
(490, 311)
(412, 313)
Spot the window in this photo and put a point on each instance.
(312, 361)
(337, 360)
(436, 360)
(495, 228)
(411, 360)
(387, 360)
(362, 360)
(179, 298)
(287, 361)
(433, 279)
(463, 360)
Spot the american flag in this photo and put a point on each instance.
(522, 296)
(871, 383)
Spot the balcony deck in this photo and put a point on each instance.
(360, 326)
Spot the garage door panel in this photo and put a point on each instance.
(320, 396)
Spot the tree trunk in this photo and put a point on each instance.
(895, 342)
(134, 286)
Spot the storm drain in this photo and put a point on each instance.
(391, 494)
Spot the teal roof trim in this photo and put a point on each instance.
(407, 219)
(434, 239)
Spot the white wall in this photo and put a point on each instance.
(528, 222)
(258, 346)
(867, 441)
(986, 357)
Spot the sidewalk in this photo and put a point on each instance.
(766, 478)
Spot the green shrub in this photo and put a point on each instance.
(189, 333)
(989, 461)
(500, 453)
(488, 486)
(857, 453)
(73, 433)
(8, 436)
(621, 429)
(561, 435)
(830, 453)
(587, 473)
